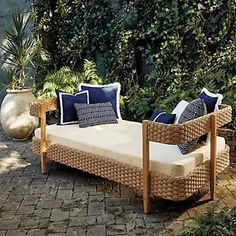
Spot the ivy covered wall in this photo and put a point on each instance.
(182, 41)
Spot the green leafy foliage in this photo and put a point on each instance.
(213, 222)
(64, 79)
(139, 103)
(91, 74)
(186, 45)
(165, 91)
(232, 125)
(18, 50)
(68, 80)
(179, 35)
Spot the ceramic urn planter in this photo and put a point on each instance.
(15, 117)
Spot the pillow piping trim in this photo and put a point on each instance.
(157, 116)
(61, 107)
(108, 85)
(179, 114)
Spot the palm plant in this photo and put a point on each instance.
(18, 50)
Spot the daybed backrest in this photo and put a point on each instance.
(182, 133)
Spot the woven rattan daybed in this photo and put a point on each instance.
(143, 177)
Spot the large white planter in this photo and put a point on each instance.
(15, 118)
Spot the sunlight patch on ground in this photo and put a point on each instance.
(2, 145)
(12, 161)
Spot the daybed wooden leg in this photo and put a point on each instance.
(213, 156)
(43, 163)
(146, 173)
(43, 141)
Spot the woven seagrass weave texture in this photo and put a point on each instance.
(168, 187)
(181, 133)
(180, 188)
(173, 188)
(47, 104)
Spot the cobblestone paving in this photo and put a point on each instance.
(69, 202)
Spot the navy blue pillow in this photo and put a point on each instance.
(211, 100)
(67, 112)
(163, 117)
(155, 113)
(104, 93)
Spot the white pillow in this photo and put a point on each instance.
(179, 109)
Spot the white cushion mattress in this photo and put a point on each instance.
(123, 142)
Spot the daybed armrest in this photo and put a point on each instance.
(45, 104)
(39, 108)
(182, 133)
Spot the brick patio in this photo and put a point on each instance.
(69, 202)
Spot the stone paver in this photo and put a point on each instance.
(16, 232)
(98, 230)
(9, 224)
(116, 230)
(36, 232)
(59, 215)
(70, 202)
(74, 231)
(3, 232)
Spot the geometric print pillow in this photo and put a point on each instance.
(194, 109)
(95, 114)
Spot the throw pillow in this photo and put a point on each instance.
(67, 112)
(163, 117)
(212, 100)
(104, 93)
(95, 114)
(179, 110)
(193, 110)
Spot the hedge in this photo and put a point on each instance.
(181, 44)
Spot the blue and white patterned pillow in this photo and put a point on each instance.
(95, 114)
(163, 117)
(104, 93)
(212, 100)
(193, 110)
(67, 112)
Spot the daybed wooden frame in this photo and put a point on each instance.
(150, 182)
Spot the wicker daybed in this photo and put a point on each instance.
(151, 182)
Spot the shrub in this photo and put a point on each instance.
(68, 80)
(184, 44)
(213, 222)
(130, 37)
(139, 103)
